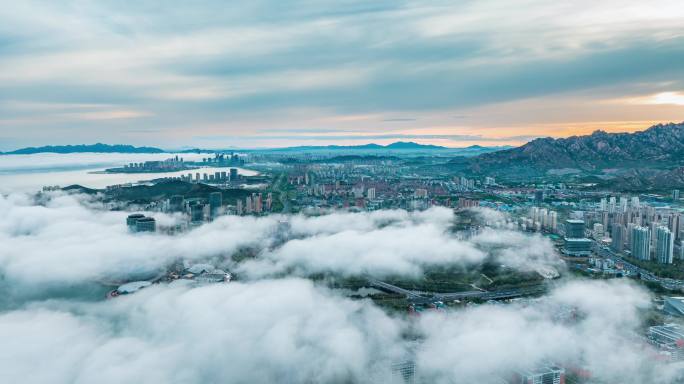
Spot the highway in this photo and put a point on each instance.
(387, 287)
(417, 296)
(278, 186)
(608, 253)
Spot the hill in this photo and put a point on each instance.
(166, 189)
(660, 146)
(95, 148)
(399, 145)
(402, 147)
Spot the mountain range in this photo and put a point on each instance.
(400, 145)
(95, 148)
(655, 155)
(397, 146)
(659, 144)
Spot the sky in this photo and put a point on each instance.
(272, 73)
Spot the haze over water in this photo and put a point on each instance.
(28, 173)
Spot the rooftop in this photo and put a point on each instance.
(133, 286)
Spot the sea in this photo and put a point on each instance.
(30, 173)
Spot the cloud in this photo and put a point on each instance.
(65, 241)
(662, 98)
(68, 239)
(207, 67)
(289, 330)
(261, 332)
(401, 250)
(520, 251)
(263, 329)
(386, 243)
(579, 325)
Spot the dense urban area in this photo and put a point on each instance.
(599, 233)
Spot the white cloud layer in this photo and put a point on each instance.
(270, 331)
(290, 331)
(57, 327)
(68, 240)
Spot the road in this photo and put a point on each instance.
(608, 253)
(419, 296)
(282, 192)
(381, 285)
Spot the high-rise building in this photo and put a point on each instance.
(233, 174)
(612, 204)
(641, 243)
(534, 213)
(215, 204)
(370, 193)
(550, 374)
(574, 228)
(132, 219)
(146, 224)
(176, 203)
(137, 222)
(664, 246)
(197, 213)
(553, 221)
(628, 233)
(248, 205)
(635, 202)
(464, 203)
(623, 204)
(257, 203)
(598, 231)
(577, 246)
(618, 235)
(575, 242)
(675, 225)
(404, 372)
(542, 217)
(675, 194)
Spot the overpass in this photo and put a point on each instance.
(387, 287)
(424, 297)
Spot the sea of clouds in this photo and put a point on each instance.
(276, 325)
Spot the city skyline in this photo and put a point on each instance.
(266, 75)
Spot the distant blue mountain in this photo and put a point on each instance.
(412, 145)
(405, 146)
(97, 148)
(400, 145)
